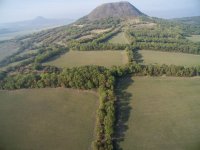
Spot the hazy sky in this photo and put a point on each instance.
(14, 10)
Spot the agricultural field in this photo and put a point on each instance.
(194, 38)
(159, 113)
(105, 58)
(120, 38)
(47, 119)
(7, 48)
(168, 58)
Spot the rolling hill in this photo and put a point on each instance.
(95, 31)
(118, 10)
(189, 20)
(103, 52)
(13, 29)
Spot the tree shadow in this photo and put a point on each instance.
(123, 110)
(137, 56)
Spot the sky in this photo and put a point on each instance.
(17, 10)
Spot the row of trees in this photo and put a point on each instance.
(170, 47)
(106, 117)
(70, 32)
(50, 52)
(155, 70)
(151, 70)
(162, 40)
(88, 77)
(17, 58)
(81, 78)
(98, 39)
(42, 54)
(156, 33)
(96, 46)
(23, 46)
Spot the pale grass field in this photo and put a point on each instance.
(105, 58)
(168, 58)
(120, 38)
(160, 113)
(47, 119)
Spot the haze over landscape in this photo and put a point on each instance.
(12, 10)
(100, 76)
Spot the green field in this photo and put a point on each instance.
(120, 38)
(47, 119)
(159, 113)
(168, 58)
(194, 38)
(7, 48)
(106, 58)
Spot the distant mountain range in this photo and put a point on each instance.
(189, 20)
(35, 24)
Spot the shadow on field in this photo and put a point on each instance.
(138, 57)
(123, 110)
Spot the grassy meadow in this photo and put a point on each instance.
(47, 119)
(194, 38)
(120, 38)
(106, 58)
(168, 58)
(159, 113)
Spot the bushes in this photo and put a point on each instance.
(130, 54)
(106, 118)
(155, 70)
(88, 77)
(95, 46)
(162, 39)
(49, 53)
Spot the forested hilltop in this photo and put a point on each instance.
(26, 68)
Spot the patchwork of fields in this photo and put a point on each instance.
(105, 58)
(168, 58)
(47, 119)
(159, 113)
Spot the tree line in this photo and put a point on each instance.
(87, 77)
(162, 40)
(93, 77)
(41, 55)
